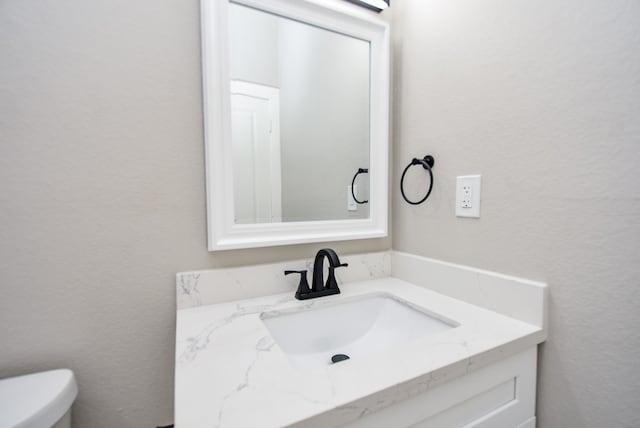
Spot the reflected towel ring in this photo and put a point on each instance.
(427, 163)
(360, 171)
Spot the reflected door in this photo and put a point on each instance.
(255, 130)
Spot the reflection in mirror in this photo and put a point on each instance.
(299, 119)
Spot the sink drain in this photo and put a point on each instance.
(339, 357)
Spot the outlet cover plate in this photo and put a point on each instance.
(468, 196)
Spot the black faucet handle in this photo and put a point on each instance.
(303, 285)
(331, 278)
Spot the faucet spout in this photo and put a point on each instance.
(318, 284)
(318, 287)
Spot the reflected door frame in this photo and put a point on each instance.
(265, 161)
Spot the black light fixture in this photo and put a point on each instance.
(377, 5)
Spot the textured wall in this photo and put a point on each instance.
(543, 99)
(102, 197)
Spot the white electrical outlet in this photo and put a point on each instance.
(351, 203)
(468, 196)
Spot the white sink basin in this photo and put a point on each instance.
(359, 327)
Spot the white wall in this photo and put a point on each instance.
(325, 121)
(543, 99)
(254, 52)
(102, 197)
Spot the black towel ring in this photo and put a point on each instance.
(427, 163)
(360, 171)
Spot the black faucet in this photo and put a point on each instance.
(318, 287)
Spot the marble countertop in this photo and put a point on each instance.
(231, 373)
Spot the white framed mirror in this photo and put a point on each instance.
(296, 114)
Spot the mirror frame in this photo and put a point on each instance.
(334, 15)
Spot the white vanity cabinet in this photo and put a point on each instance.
(501, 395)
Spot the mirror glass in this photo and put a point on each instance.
(300, 119)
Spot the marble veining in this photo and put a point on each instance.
(230, 372)
(188, 288)
(202, 339)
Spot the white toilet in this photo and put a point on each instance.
(38, 400)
